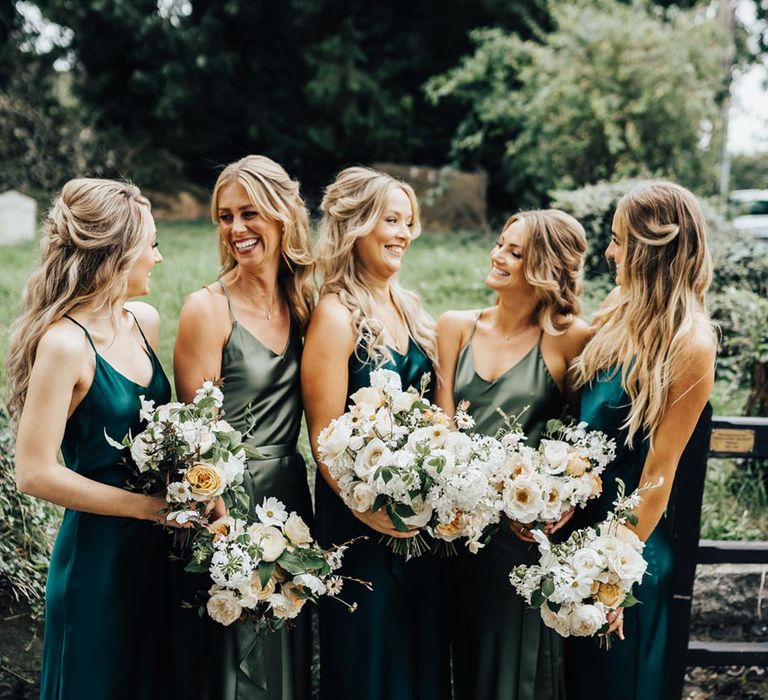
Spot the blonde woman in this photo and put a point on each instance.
(394, 647)
(514, 356)
(645, 378)
(80, 358)
(246, 330)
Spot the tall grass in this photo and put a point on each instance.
(448, 270)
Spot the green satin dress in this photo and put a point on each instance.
(635, 668)
(107, 605)
(501, 649)
(262, 398)
(395, 646)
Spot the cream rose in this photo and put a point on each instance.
(369, 458)
(370, 396)
(205, 481)
(586, 620)
(555, 456)
(223, 607)
(296, 530)
(362, 497)
(253, 593)
(269, 539)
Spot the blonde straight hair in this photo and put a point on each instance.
(667, 270)
(93, 234)
(553, 259)
(276, 196)
(352, 206)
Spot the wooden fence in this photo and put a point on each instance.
(713, 437)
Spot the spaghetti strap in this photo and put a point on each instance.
(85, 330)
(229, 301)
(474, 327)
(138, 325)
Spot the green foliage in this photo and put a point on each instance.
(27, 529)
(616, 90)
(749, 171)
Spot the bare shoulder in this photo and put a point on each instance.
(63, 344)
(330, 312)
(699, 346)
(204, 306)
(456, 324)
(147, 315)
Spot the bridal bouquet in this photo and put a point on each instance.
(265, 570)
(395, 450)
(542, 484)
(578, 582)
(190, 453)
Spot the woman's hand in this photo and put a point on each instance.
(522, 531)
(381, 522)
(551, 528)
(616, 622)
(157, 511)
(216, 508)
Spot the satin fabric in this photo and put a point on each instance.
(107, 598)
(633, 669)
(262, 398)
(395, 646)
(501, 649)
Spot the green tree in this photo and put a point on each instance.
(614, 91)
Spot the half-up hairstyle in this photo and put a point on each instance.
(92, 236)
(553, 251)
(276, 197)
(352, 206)
(666, 272)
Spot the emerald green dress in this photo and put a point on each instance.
(107, 606)
(395, 646)
(262, 398)
(501, 649)
(633, 669)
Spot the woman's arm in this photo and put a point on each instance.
(449, 337)
(60, 367)
(204, 326)
(688, 395)
(329, 343)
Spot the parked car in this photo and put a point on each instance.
(749, 212)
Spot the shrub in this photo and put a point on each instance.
(27, 529)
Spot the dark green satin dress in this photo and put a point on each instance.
(107, 605)
(501, 649)
(262, 397)
(633, 669)
(395, 646)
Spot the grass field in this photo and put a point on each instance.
(448, 270)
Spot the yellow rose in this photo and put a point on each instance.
(449, 531)
(597, 485)
(610, 595)
(577, 464)
(204, 481)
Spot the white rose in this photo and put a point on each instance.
(403, 401)
(558, 621)
(587, 561)
(370, 457)
(269, 539)
(368, 396)
(555, 456)
(622, 533)
(139, 454)
(383, 422)
(224, 607)
(233, 468)
(296, 530)
(523, 499)
(168, 411)
(627, 563)
(362, 497)
(288, 603)
(586, 620)
(386, 379)
(334, 440)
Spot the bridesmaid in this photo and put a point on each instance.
(246, 329)
(509, 356)
(646, 376)
(80, 358)
(395, 646)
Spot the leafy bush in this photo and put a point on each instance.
(27, 529)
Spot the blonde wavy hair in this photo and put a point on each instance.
(352, 206)
(276, 196)
(667, 270)
(553, 259)
(92, 236)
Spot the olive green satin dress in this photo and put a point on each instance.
(501, 649)
(262, 397)
(395, 646)
(633, 669)
(107, 605)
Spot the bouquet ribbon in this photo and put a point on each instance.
(250, 651)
